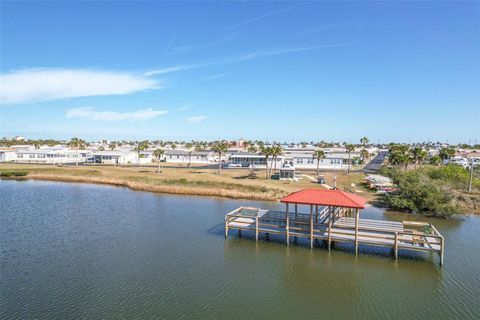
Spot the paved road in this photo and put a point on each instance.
(376, 163)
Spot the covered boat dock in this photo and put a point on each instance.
(334, 216)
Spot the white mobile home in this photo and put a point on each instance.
(115, 157)
(182, 156)
(254, 159)
(7, 154)
(51, 156)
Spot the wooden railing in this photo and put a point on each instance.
(411, 238)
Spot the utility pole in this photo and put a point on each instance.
(471, 176)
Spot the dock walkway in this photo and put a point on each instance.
(335, 224)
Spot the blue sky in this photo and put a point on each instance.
(285, 71)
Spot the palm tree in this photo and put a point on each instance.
(252, 149)
(173, 146)
(364, 141)
(76, 143)
(112, 145)
(276, 151)
(189, 147)
(319, 155)
(267, 152)
(199, 147)
(349, 148)
(364, 155)
(158, 154)
(140, 147)
(220, 148)
(447, 153)
(399, 155)
(418, 155)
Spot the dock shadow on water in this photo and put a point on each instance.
(72, 251)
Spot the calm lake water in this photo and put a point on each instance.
(71, 251)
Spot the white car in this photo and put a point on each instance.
(234, 165)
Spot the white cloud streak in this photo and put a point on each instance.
(168, 70)
(262, 54)
(217, 76)
(32, 85)
(260, 17)
(196, 118)
(87, 113)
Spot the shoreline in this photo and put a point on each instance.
(222, 193)
(218, 193)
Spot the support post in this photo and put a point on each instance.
(311, 226)
(296, 212)
(316, 213)
(356, 230)
(395, 249)
(442, 250)
(256, 228)
(287, 223)
(226, 227)
(329, 228)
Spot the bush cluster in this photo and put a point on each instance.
(427, 190)
(13, 173)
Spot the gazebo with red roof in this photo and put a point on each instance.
(328, 198)
(338, 220)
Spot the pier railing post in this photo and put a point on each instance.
(330, 228)
(226, 227)
(442, 250)
(256, 228)
(357, 214)
(287, 224)
(311, 226)
(395, 248)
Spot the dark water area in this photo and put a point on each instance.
(72, 251)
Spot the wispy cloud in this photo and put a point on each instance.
(87, 113)
(260, 17)
(31, 85)
(329, 27)
(217, 76)
(189, 48)
(197, 47)
(168, 70)
(262, 54)
(196, 118)
(168, 47)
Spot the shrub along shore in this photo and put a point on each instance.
(439, 191)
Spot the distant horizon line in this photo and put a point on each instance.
(471, 142)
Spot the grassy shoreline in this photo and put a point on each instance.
(202, 182)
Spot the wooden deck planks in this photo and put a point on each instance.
(340, 228)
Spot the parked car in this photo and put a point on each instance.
(234, 165)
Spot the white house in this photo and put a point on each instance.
(7, 154)
(256, 160)
(115, 157)
(182, 156)
(51, 156)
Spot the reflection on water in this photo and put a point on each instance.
(74, 251)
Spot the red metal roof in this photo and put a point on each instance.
(334, 198)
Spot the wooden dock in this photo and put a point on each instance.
(338, 224)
